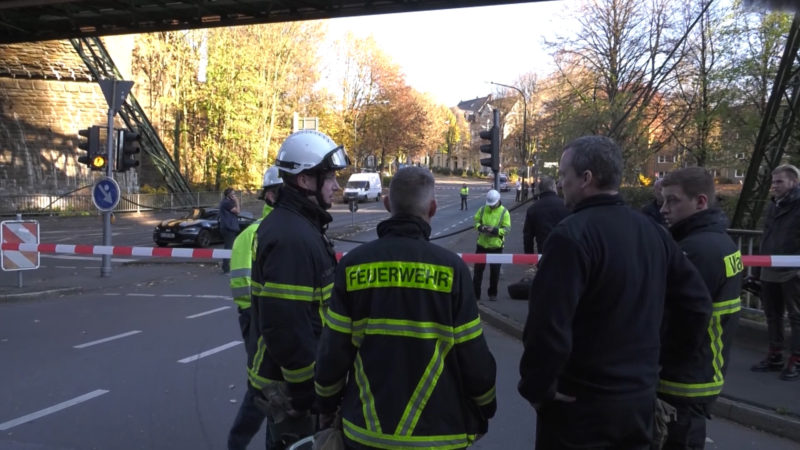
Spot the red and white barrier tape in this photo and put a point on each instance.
(208, 253)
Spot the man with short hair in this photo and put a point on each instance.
(292, 278)
(780, 287)
(228, 223)
(653, 208)
(403, 350)
(493, 222)
(592, 337)
(691, 382)
(543, 215)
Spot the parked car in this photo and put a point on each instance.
(199, 228)
(363, 186)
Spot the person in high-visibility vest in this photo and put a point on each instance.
(493, 222)
(402, 350)
(464, 195)
(251, 415)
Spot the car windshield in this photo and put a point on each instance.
(356, 184)
(195, 214)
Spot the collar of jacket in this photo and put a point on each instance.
(712, 219)
(789, 198)
(599, 200)
(290, 198)
(405, 226)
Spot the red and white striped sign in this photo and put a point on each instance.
(19, 232)
(208, 253)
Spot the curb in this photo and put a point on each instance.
(726, 407)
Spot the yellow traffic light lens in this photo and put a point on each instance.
(99, 162)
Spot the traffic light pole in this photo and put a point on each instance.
(105, 267)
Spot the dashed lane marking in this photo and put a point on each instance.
(194, 316)
(53, 409)
(110, 338)
(189, 359)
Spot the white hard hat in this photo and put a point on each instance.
(492, 197)
(310, 149)
(272, 177)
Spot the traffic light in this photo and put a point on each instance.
(492, 148)
(129, 146)
(95, 158)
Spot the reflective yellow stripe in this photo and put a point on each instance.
(401, 274)
(365, 394)
(733, 263)
(468, 331)
(258, 359)
(728, 306)
(690, 389)
(486, 398)
(298, 375)
(323, 293)
(394, 442)
(423, 390)
(329, 391)
(286, 291)
(338, 322)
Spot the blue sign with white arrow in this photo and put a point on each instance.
(105, 194)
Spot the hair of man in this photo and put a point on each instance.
(790, 170)
(694, 181)
(601, 156)
(411, 192)
(547, 184)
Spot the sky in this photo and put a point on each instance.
(453, 54)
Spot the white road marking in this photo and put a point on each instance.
(55, 408)
(111, 338)
(134, 294)
(189, 359)
(224, 297)
(208, 312)
(177, 295)
(112, 294)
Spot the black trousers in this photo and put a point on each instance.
(228, 236)
(619, 424)
(688, 432)
(777, 298)
(494, 273)
(463, 202)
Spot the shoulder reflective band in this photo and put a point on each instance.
(404, 274)
(733, 264)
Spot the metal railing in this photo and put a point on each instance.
(43, 204)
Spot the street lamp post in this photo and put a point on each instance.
(524, 117)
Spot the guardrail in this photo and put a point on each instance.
(43, 204)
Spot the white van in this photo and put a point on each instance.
(363, 186)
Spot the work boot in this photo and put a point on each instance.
(792, 370)
(772, 363)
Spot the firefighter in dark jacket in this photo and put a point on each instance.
(543, 215)
(292, 278)
(780, 291)
(403, 350)
(592, 337)
(690, 383)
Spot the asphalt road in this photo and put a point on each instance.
(159, 365)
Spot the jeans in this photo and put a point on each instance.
(777, 297)
(247, 423)
(228, 236)
(494, 273)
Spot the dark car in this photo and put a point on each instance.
(199, 228)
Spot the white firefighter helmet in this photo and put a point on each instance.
(272, 177)
(310, 149)
(492, 197)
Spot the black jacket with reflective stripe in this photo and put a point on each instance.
(403, 319)
(292, 275)
(599, 295)
(698, 377)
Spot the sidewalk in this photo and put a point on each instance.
(760, 400)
